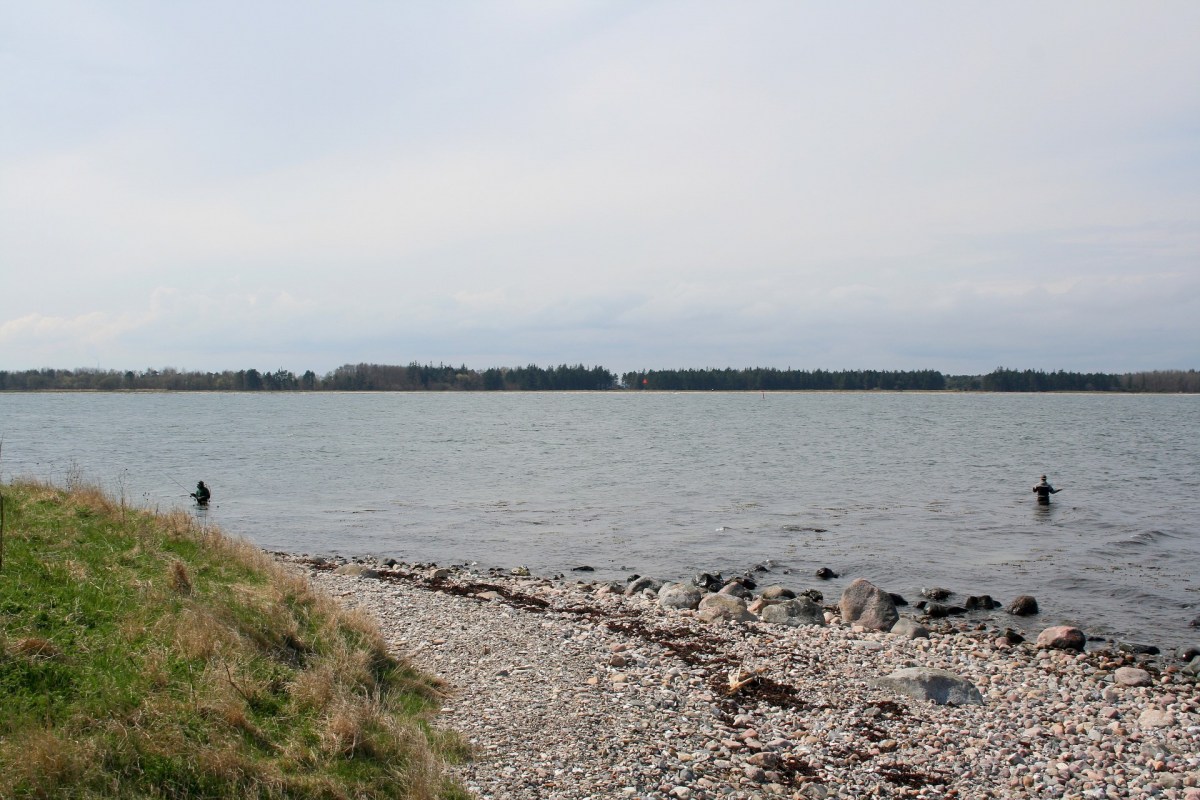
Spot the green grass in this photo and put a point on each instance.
(143, 655)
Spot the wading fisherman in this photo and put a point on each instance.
(201, 494)
(1043, 490)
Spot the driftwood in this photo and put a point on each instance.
(739, 679)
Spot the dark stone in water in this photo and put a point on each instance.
(983, 602)
(825, 573)
(1023, 606)
(938, 610)
(708, 582)
(897, 599)
(391, 562)
(761, 568)
(747, 581)
(583, 568)
(1138, 649)
(936, 593)
(1187, 653)
(814, 595)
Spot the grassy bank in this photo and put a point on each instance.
(145, 655)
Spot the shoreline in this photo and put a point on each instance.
(569, 690)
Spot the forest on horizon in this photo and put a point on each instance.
(442, 377)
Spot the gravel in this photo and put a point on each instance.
(575, 690)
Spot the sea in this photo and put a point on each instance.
(907, 490)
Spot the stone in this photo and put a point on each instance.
(717, 606)
(936, 685)
(825, 573)
(737, 589)
(679, 595)
(935, 593)
(864, 604)
(639, 585)
(795, 612)
(910, 629)
(1156, 718)
(1132, 676)
(1023, 606)
(1061, 637)
(983, 602)
(777, 592)
(357, 570)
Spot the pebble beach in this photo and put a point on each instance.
(571, 689)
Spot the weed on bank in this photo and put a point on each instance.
(147, 655)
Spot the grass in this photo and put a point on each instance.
(145, 656)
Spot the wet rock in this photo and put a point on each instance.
(737, 589)
(814, 595)
(983, 602)
(939, 610)
(777, 592)
(825, 573)
(708, 581)
(583, 568)
(936, 685)
(935, 593)
(1023, 606)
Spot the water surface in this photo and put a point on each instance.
(905, 489)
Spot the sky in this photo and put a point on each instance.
(635, 185)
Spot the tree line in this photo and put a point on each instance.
(427, 377)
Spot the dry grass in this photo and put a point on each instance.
(197, 667)
(181, 580)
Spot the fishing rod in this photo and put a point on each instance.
(177, 483)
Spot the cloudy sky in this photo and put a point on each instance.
(953, 186)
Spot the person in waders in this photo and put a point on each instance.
(202, 494)
(1043, 490)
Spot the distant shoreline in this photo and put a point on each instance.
(422, 378)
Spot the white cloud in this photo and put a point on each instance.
(679, 180)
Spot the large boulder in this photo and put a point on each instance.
(679, 595)
(796, 612)
(717, 606)
(1061, 637)
(865, 604)
(935, 685)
